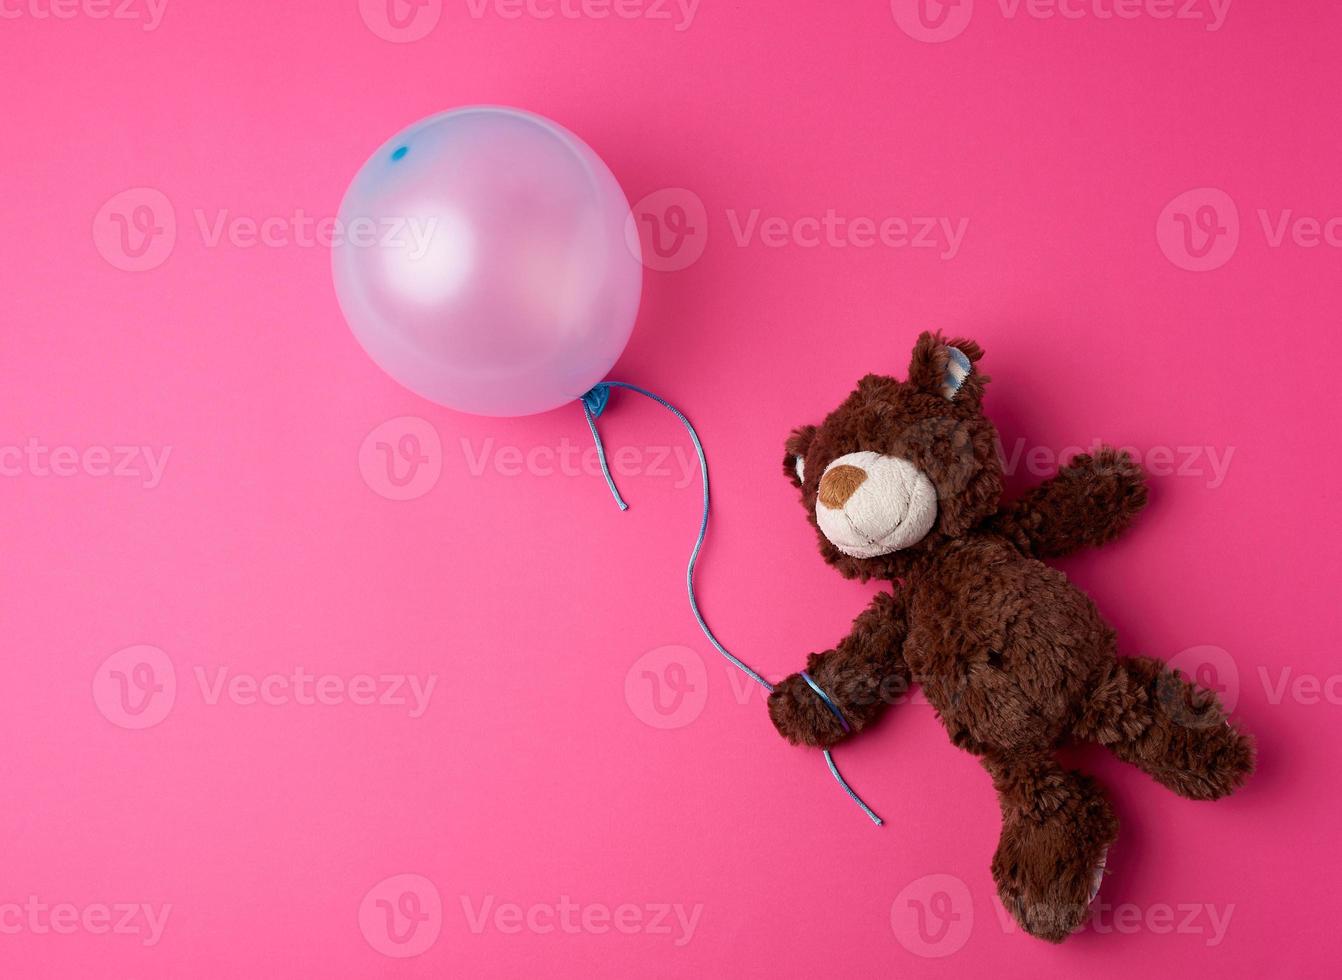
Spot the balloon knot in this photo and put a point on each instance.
(596, 399)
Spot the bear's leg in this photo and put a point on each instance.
(1056, 828)
(1169, 727)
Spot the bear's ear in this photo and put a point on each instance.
(794, 459)
(946, 367)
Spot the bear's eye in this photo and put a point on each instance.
(799, 464)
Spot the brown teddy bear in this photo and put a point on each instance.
(903, 482)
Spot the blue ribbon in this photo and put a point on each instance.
(834, 708)
(593, 404)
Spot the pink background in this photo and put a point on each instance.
(545, 772)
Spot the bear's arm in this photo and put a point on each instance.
(1090, 501)
(863, 675)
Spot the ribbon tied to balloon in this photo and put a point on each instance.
(487, 263)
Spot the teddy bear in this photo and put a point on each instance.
(903, 483)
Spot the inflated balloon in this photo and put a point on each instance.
(482, 262)
(485, 259)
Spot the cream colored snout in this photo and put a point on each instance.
(870, 505)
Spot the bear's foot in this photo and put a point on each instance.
(1170, 728)
(1057, 828)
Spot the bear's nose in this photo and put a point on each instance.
(839, 483)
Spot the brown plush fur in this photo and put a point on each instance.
(1015, 659)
